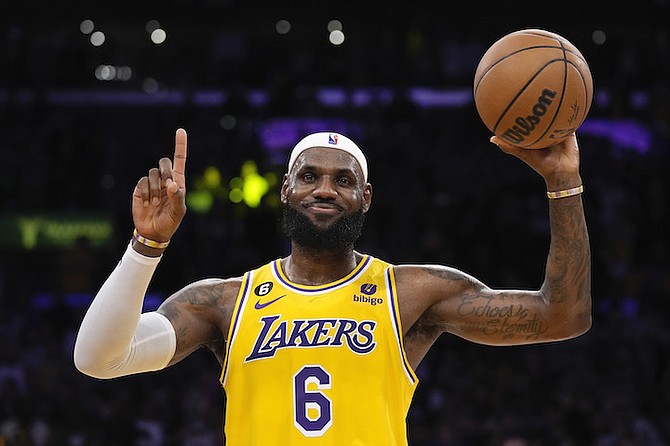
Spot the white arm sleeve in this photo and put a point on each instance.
(115, 338)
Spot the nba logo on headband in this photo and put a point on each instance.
(329, 140)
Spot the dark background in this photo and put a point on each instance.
(73, 147)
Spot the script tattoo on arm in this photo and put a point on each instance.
(503, 316)
(489, 316)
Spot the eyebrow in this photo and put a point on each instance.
(315, 167)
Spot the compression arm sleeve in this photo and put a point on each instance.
(115, 338)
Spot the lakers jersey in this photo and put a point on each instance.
(317, 365)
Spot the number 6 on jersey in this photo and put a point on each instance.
(312, 409)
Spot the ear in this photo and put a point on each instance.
(367, 197)
(284, 189)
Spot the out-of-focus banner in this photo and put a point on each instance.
(37, 231)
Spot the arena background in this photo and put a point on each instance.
(90, 97)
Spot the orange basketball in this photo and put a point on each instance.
(533, 88)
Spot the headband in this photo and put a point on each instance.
(329, 140)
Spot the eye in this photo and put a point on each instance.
(344, 181)
(308, 177)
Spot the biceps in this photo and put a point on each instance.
(496, 317)
(192, 329)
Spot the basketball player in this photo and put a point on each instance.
(321, 346)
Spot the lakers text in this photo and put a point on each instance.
(276, 334)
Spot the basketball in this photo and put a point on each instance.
(533, 88)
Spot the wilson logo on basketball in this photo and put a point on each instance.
(525, 125)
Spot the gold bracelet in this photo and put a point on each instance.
(148, 242)
(566, 193)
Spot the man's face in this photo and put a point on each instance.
(325, 200)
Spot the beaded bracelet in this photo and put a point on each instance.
(148, 242)
(565, 193)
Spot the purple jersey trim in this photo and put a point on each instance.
(235, 324)
(396, 324)
(304, 289)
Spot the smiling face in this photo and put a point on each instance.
(325, 199)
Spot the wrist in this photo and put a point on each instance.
(146, 246)
(564, 193)
(145, 250)
(562, 182)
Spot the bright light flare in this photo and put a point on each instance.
(97, 38)
(336, 37)
(158, 36)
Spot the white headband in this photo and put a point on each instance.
(329, 140)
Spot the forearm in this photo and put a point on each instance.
(114, 338)
(567, 284)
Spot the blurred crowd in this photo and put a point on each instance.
(442, 194)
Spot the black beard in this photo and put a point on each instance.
(338, 237)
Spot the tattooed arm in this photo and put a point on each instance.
(444, 299)
(200, 314)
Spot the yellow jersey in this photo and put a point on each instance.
(317, 365)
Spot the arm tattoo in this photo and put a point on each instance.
(568, 265)
(501, 316)
(201, 297)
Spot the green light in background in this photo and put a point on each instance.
(250, 187)
(199, 201)
(212, 177)
(206, 188)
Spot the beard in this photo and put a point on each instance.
(338, 237)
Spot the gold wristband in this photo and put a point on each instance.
(148, 242)
(566, 193)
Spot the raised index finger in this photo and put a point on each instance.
(179, 161)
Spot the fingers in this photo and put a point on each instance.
(141, 191)
(148, 188)
(572, 141)
(155, 186)
(509, 148)
(505, 146)
(179, 161)
(165, 169)
(168, 178)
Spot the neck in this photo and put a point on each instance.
(318, 267)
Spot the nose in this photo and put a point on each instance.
(325, 188)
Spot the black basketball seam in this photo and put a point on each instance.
(530, 80)
(587, 96)
(530, 32)
(586, 92)
(560, 102)
(517, 52)
(555, 37)
(508, 56)
(560, 40)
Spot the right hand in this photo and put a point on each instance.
(159, 199)
(558, 164)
